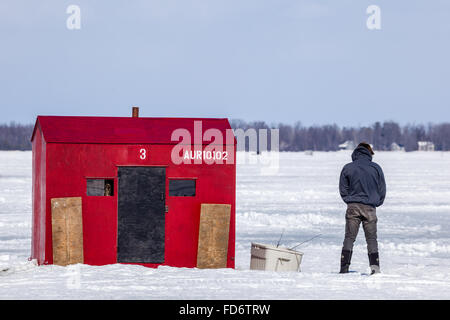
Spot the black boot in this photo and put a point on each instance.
(346, 257)
(374, 263)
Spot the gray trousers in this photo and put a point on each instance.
(357, 213)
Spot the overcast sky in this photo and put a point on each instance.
(273, 60)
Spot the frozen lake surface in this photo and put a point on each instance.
(301, 198)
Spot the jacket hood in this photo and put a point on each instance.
(361, 153)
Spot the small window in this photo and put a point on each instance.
(100, 187)
(182, 188)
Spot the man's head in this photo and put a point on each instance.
(367, 146)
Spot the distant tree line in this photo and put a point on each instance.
(15, 136)
(328, 137)
(297, 137)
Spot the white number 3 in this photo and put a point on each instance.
(143, 154)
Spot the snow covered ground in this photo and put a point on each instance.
(302, 199)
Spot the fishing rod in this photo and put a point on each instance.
(280, 238)
(305, 242)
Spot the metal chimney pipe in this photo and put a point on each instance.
(135, 112)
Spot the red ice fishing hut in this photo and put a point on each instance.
(142, 183)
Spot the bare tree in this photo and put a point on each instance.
(15, 136)
(298, 137)
(381, 135)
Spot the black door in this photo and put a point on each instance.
(141, 214)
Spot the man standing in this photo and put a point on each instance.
(363, 188)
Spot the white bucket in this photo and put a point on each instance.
(271, 258)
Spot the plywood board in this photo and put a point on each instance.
(213, 235)
(67, 231)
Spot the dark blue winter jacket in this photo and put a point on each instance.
(362, 180)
